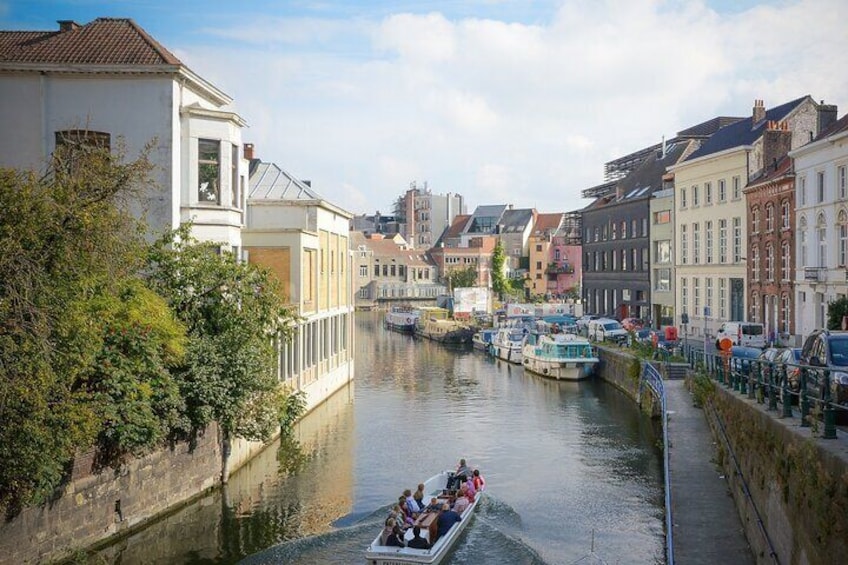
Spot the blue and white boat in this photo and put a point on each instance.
(508, 342)
(482, 339)
(561, 356)
(401, 319)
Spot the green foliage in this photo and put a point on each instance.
(703, 388)
(836, 310)
(499, 282)
(232, 312)
(460, 278)
(66, 239)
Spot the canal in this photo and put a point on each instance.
(565, 463)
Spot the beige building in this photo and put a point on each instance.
(303, 239)
(710, 240)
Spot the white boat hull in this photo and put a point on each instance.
(377, 554)
(403, 322)
(547, 357)
(507, 344)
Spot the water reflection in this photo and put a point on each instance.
(562, 460)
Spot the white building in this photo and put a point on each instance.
(110, 80)
(821, 218)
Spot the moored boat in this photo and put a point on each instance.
(435, 486)
(482, 339)
(401, 319)
(508, 343)
(563, 356)
(435, 324)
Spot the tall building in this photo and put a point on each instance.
(423, 216)
(108, 81)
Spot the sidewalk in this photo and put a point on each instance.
(706, 526)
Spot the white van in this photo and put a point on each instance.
(748, 334)
(606, 329)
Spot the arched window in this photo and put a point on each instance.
(770, 263)
(784, 214)
(802, 241)
(755, 307)
(842, 220)
(755, 219)
(821, 230)
(786, 259)
(755, 263)
(769, 217)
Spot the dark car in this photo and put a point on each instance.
(829, 350)
(742, 359)
(780, 358)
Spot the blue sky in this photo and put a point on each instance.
(502, 101)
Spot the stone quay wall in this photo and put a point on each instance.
(623, 371)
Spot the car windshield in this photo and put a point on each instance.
(612, 326)
(839, 351)
(752, 330)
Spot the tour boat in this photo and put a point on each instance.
(401, 319)
(483, 339)
(507, 344)
(563, 356)
(377, 554)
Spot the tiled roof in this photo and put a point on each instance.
(706, 129)
(388, 249)
(779, 170)
(458, 225)
(269, 182)
(105, 41)
(744, 132)
(547, 223)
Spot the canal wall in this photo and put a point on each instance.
(623, 370)
(790, 485)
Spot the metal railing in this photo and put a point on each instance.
(653, 380)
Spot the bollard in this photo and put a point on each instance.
(803, 401)
(787, 398)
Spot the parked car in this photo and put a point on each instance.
(828, 350)
(742, 359)
(583, 321)
(748, 334)
(780, 358)
(606, 329)
(632, 324)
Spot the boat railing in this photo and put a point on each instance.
(652, 379)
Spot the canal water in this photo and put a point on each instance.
(565, 464)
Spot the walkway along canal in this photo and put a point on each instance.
(563, 462)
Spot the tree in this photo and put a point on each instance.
(66, 241)
(836, 311)
(233, 311)
(499, 282)
(459, 278)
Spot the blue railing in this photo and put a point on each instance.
(653, 380)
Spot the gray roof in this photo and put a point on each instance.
(269, 182)
(516, 221)
(485, 218)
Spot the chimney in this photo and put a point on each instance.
(827, 115)
(248, 151)
(777, 141)
(67, 25)
(759, 113)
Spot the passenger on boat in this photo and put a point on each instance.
(396, 537)
(409, 516)
(469, 490)
(400, 516)
(387, 530)
(479, 481)
(434, 505)
(418, 495)
(418, 542)
(460, 475)
(461, 504)
(411, 504)
(447, 518)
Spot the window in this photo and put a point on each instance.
(597, 234)
(632, 228)
(802, 191)
(74, 146)
(696, 244)
(737, 239)
(708, 244)
(623, 230)
(539, 247)
(722, 298)
(623, 259)
(820, 187)
(784, 214)
(722, 190)
(695, 195)
(722, 241)
(614, 260)
(802, 241)
(363, 270)
(587, 263)
(644, 227)
(645, 260)
(662, 280)
(736, 188)
(822, 232)
(662, 217)
(709, 300)
(755, 307)
(708, 193)
(604, 232)
(785, 260)
(557, 254)
(234, 176)
(769, 217)
(633, 264)
(614, 232)
(769, 263)
(755, 263)
(208, 171)
(538, 265)
(696, 294)
(684, 245)
(662, 251)
(785, 312)
(684, 295)
(842, 182)
(683, 198)
(755, 219)
(77, 138)
(843, 238)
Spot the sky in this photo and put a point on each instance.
(501, 101)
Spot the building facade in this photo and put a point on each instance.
(303, 240)
(109, 80)
(821, 244)
(424, 216)
(661, 218)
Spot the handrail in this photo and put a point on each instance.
(652, 378)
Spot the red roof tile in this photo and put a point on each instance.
(105, 41)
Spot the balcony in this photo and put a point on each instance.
(555, 269)
(814, 274)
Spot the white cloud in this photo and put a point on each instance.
(510, 112)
